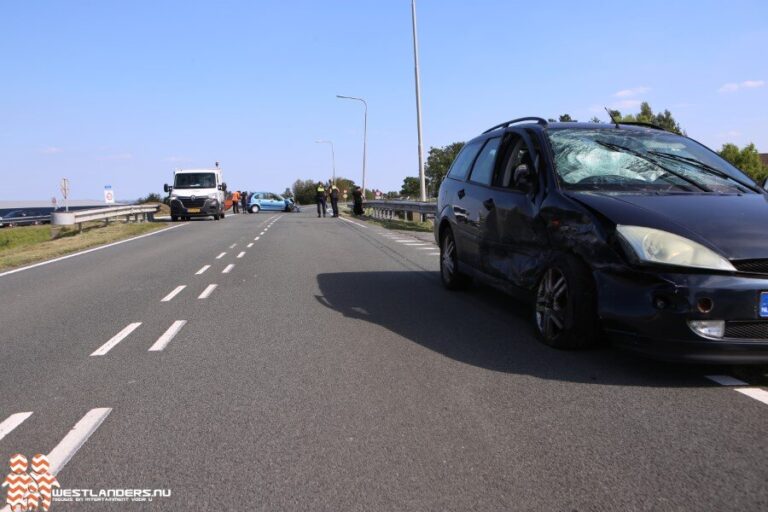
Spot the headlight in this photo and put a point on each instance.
(174, 197)
(212, 196)
(656, 246)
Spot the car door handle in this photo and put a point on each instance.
(489, 204)
(461, 193)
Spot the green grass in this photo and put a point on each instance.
(30, 244)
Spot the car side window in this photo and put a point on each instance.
(482, 171)
(462, 163)
(516, 160)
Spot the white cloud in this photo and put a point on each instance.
(746, 84)
(625, 104)
(634, 91)
(51, 150)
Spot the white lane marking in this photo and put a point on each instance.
(168, 335)
(220, 256)
(250, 245)
(205, 267)
(353, 222)
(262, 233)
(207, 292)
(174, 293)
(403, 241)
(758, 394)
(13, 421)
(9, 272)
(416, 244)
(242, 253)
(76, 438)
(434, 254)
(426, 248)
(257, 238)
(233, 246)
(228, 268)
(726, 380)
(117, 338)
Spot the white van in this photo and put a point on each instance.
(197, 193)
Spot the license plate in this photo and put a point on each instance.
(764, 304)
(193, 210)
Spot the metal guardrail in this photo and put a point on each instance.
(147, 212)
(389, 209)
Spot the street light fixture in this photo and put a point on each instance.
(365, 130)
(333, 156)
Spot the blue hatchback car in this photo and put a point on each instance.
(269, 201)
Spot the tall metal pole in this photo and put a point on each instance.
(422, 180)
(333, 156)
(365, 131)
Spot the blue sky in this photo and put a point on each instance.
(121, 93)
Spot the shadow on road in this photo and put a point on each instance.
(487, 329)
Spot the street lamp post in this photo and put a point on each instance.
(333, 156)
(365, 130)
(422, 180)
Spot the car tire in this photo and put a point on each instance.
(174, 218)
(255, 208)
(565, 307)
(216, 217)
(452, 278)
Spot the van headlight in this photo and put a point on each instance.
(174, 197)
(656, 246)
(212, 195)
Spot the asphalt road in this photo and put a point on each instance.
(329, 370)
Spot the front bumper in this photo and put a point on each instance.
(208, 208)
(649, 313)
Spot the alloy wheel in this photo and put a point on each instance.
(551, 303)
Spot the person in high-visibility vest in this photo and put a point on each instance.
(235, 202)
(320, 199)
(334, 195)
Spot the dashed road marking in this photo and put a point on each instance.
(220, 256)
(174, 293)
(758, 394)
(726, 380)
(228, 268)
(257, 238)
(11, 422)
(207, 292)
(76, 438)
(250, 245)
(205, 267)
(233, 246)
(167, 336)
(434, 254)
(415, 244)
(242, 253)
(117, 338)
(262, 233)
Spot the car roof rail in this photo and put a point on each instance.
(647, 125)
(519, 120)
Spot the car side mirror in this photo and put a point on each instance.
(764, 184)
(224, 187)
(166, 188)
(523, 178)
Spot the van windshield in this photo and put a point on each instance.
(641, 161)
(195, 180)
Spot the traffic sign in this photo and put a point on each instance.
(109, 195)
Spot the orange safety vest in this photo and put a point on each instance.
(236, 196)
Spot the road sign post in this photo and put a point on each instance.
(64, 187)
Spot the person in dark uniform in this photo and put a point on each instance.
(244, 199)
(334, 195)
(357, 199)
(320, 199)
